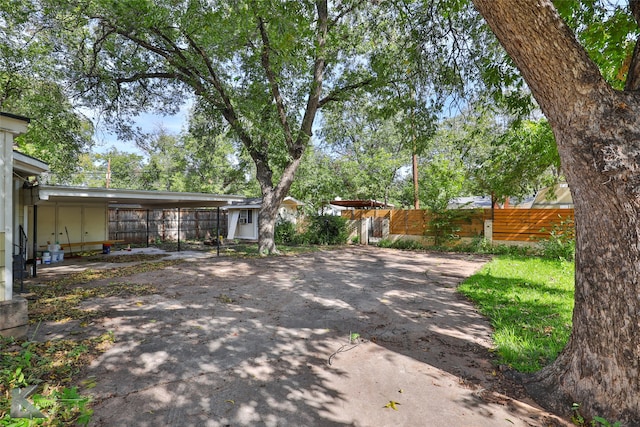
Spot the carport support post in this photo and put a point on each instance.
(178, 229)
(147, 227)
(35, 239)
(218, 233)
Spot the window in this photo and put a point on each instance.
(246, 216)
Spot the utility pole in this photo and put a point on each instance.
(414, 157)
(108, 172)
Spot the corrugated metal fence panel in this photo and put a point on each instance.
(527, 224)
(195, 224)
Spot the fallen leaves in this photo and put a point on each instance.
(59, 302)
(225, 299)
(392, 404)
(127, 258)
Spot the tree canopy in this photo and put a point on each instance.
(31, 85)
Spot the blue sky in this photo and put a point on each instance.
(148, 122)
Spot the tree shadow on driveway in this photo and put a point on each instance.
(269, 341)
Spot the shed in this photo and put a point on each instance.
(243, 216)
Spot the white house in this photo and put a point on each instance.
(243, 216)
(15, 169)
(556, 197)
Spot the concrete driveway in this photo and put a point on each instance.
(271, 342)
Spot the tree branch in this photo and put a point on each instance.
(313, 101)
(186, 75)
(338, 94)
(144, 76)
(275, 89)
(545, 47)
(227, 108)
(342, 13)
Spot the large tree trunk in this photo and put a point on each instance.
(266, 224)
(271, 200)
(598, 134)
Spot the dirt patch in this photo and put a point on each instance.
(361, 336)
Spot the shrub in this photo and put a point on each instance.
(561, 243)
(442, 227)
(327, 230)
(404, 244)
(285, 232)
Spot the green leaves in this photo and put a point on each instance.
(607, 31)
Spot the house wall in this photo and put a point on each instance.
(6, 214)
(13, 311)
(248, 231)
(288, 213)
(238, 230)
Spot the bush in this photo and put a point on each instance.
(480, 245)
(285, 233)
(444, 226)
(403, 244)
(327, 230)
(561, 243)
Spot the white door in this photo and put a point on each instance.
(95, 224)
(69, 224)
(46, 226)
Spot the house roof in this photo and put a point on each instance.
(484, 202)
(470, 202)
(256, 202)
(557, 196)
(361, 204)
(15, 116)
(139, 198)
(27, 165)
(13, 123)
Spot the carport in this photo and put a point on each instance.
(78, 216)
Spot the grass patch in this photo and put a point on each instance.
(529, 302)
(476, 246)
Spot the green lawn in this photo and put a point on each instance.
(529, 302)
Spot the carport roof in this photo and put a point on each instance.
(361, 204)
(138, 198)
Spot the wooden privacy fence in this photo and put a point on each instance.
(523, 225)
(415, 222)
(149, 225)
(529, 224)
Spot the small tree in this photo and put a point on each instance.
(327, 230)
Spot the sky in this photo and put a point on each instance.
(148, 122)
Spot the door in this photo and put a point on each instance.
(46, 226)
(71, 218)
(95, 224)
